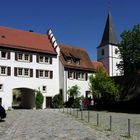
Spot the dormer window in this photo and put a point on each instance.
(69, 60)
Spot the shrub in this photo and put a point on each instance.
(39, 99)
(58, 101)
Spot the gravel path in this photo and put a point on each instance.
(119, 123)
(46, 125)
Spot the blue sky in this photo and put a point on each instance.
(74, 22)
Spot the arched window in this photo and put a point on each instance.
(102, 51)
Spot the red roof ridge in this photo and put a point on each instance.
(22, 30)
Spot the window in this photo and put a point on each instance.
(20, 56)
(41, 59)
(44, 59)
(20, 71)
(1, 87)
(70, 74)
(44, 88)
(5, 70)
(41, 73)
(81, 76)
(69, 60)
(44, 74)
(24, 72)
(23, 57)
(116, 51)
(26, 57)
(102, 51)
(4, 55)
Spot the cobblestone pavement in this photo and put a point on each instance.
(46, 125)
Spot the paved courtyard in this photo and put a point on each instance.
(46, 125)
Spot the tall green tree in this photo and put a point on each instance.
(103, 87)
(130, 50)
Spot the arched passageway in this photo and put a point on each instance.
(23, 98)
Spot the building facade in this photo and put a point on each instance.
(31, 61)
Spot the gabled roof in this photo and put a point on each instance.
(25, 40)
(75, 53)
(109, 35)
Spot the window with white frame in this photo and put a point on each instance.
(1, 87)
(23, 72)
(44, 89)
(44, 74)
(44, 59)
(81, 75)
(70, 74)
(26, 72)
(3, 70)
(23, 57)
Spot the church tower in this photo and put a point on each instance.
(108, 52)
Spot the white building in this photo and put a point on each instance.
(108, 51)
(29, 61)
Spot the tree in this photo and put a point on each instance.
(130, 50)
(103, 87)
(39, 99)
(74, 91)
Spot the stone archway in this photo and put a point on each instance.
(23, 98)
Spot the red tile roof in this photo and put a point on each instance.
(25, 40)
(75, 53)
(97, 64)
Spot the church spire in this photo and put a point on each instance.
(109, 35)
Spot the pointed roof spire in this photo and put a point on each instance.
(109, 35)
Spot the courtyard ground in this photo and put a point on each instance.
(55, 124)
(46, 124)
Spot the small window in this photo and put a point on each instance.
(41, 73)
(70, 74)
(20, 71)
(1, 87)
(44, 88)
(102, 51)
(116, 51)
(3, 54)
(26, 57)
(69, 60)
(3, 70)
(20, 56)
(41, 59)
(46, 73)
(26, 72)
